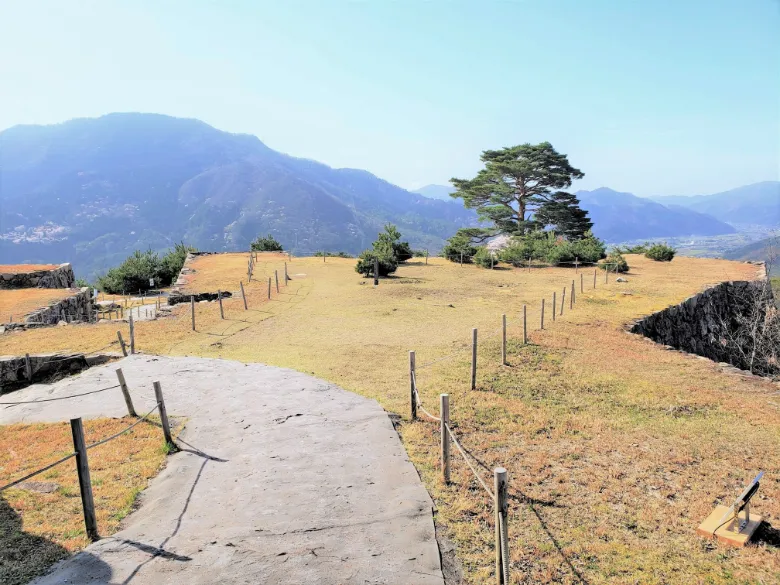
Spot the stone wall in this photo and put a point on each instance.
(704, 323)
(44, 368)
(60, 277)
(76, 308)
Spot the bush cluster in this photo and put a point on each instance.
(333, 254)
(660, 252)
(551, 249)
(266, 244)
(388, 249)
(459, 247)
(135, 273)
(614, 259)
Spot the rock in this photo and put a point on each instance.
(61, 324)
(620, 279)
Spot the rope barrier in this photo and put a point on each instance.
(59, 397)
(34, 473)
(114, 436)
(466, 459)
(419, 404)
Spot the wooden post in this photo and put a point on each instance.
(542, 327)
(555, 304)
(125, 392)
(595, 272)
(163, 413)
(192, 311)
(221, 309)
(444, 414)
(461, 258)
(323, 256)
(503, 340)
(85, 484)
(474, 358)
(269, 288)
(276, 277)
(606, 274)
(573, 296)
(376, 271)
(501, 509)
(426, 256)
(28, 367)
(132, 333)
(121, 343)
(243, 295)
(286, 277)
(525, 325)
(576, 265)
(413, 402)
(563, 299)
(582, 283)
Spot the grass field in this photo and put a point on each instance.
(16, 303)
(36, 528)
(616, 448)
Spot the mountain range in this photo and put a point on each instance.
(91, 191)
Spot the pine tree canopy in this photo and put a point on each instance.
(516, 183)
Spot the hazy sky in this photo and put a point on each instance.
(647, 96)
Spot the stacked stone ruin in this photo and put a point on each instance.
(76, 307)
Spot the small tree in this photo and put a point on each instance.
(459, 247)
(660, 252)
(266, 244)
(133, 275)
(614, 262)
(365, 263)
(390, 236)
(388, 249)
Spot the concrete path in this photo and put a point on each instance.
(285, 479)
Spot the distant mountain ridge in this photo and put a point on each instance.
(440, 192)
(758, 203)
(91, 191)
(619, 217)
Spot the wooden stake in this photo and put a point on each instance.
(501, 509)
(269, 288)
(121, 343)
(606, 274)
(412, 400)
(563, 299)
(542, 327)
(192, 310)
(85, 484)
(474, 358)
(503, 340)
(595, 272)
(582, 283)
(125, 392)
(221, 309)
(276, 277)
(163, 413)
(426, 256)
(555, 304)
(286, 277)
(132, 333)
(573, 296)
(444, 414)
(461, 258)
(376, 271)
(243, 295)
(525, 324)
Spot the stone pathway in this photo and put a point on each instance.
(283, 478)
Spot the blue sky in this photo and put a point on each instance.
(653, 97)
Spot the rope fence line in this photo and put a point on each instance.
(58, 397)
(81, 448)
(499, 494)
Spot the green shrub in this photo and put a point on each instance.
(636, 249)
(589, 248)
(365, 263)
(266, 244)
(660, 252)
(135, 273)
(484, 258)
(612, 260)
(457, 247)
(546, 247)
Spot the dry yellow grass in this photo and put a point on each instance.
(17, 268)
(37, 529)
(616, 448)
(16, 303)
(215, 272)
